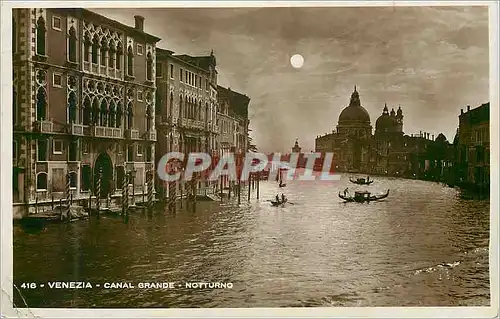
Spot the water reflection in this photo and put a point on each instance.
(423, 245)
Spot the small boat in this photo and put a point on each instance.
(279, 203)
(363, 196)
(282, 185)
(361, 181)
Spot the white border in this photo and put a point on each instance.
(341, 312)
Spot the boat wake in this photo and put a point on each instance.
(438, 267)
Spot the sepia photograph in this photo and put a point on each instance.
(273, 159)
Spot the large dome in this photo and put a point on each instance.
(354, 113)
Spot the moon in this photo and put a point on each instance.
(297, 61)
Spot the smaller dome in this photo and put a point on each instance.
(385, 122)
(441, 138)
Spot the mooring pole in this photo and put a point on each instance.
(258, 183)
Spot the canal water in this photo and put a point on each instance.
(423, 246)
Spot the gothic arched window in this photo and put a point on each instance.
(95, 112)
(104, 49)
(72, 45)
(86, 47)
(40, 36)
(149, 67)
(119, 115)
(72, 108)
(130, 61)
(95, 49)
(112, 115)
(41, 105)
(111, 55)
(130, 116)
(87, 112)
(103, 116)
(119, 54)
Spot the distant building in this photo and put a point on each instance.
(473, 146)
(387, 152)
(83, 102)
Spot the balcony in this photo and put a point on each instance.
(44, 126)
(215, 128)
(86, 66)
(150, 135)
(106, 132)
(77, 129)
(132, 134)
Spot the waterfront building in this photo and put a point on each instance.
(388, 151)
(232, 121)
(472, 166)
(186, 113)
(83, 103)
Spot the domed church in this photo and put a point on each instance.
(386, 151)
(351, 141)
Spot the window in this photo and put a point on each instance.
(57, 146)
(86, 48)
(140, 49)
(171, 71)
(139, 150)
(56, 23)
(149, 153)
(95, 49)
(42, 150)
(85, 178)
(119, 115)
(85, 147)
(158, 70)
(140, 96)
(103, 51)
(130, 117)
(149, 67)
(73, 151)
(72, 45)
(181, 74)
(57, 80)
(119, 149)
(40, 36)
(73, 180)
(41, 181)
(41, 105)
(130, 62)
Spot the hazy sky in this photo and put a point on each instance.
(432, 61)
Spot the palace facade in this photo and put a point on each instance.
(83, 105)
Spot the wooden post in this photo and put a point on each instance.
(36, 204)
(239, 191)
(52, 203)
(124, 201)
(229, 194)
(180, 187)
(221, 189)
(150, 190)
(99, 181)
(258, 183)
(249, 184)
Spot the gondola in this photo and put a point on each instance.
(361, 181)
(362, 197)
(279, 203)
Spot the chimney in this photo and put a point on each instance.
(468, 108)
(412, 135)
(420, 134)
(139, 22)
(433, 137)
(461, 111)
